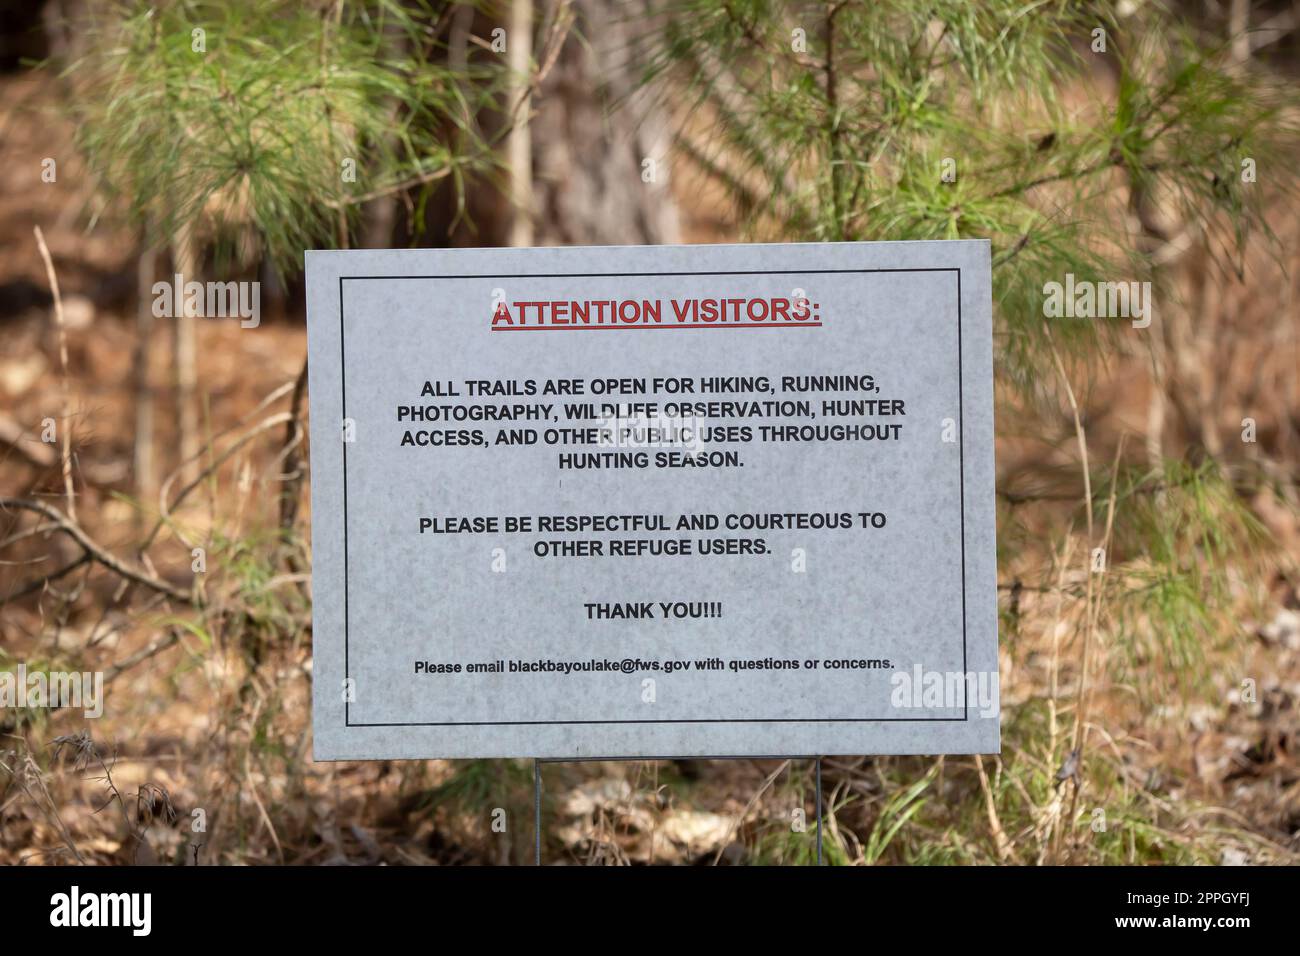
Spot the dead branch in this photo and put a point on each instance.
(94, 550)
(161, 644)
(292, 467)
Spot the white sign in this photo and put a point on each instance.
(653, 501)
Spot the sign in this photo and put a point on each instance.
(653, 501)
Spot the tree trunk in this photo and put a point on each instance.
(593, 134)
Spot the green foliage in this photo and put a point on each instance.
(269, 606)
(254, 127)
(478, 785)
(776, 842)
(17, 719)
(902, 805)
(839, 121)
(1190, 530)
(467, 801)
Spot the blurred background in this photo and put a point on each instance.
(154, 506)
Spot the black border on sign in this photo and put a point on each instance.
(961, 459)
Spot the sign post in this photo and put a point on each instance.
(642, 502)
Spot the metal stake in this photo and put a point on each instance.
(819, 811)
(537, 812)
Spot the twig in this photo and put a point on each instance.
(63, 363)
(519, 144)
(431, 176)
(292, 466)
(995, 826)
(559, 32)
(95, 551)
(1075, 753)
(31, 532)
(165, 509)
(185, 256)
(753, 801)
(834, 135)
(1054, 685)
(142, 460)
(131, 660)
(44, 579)
(30, 770)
